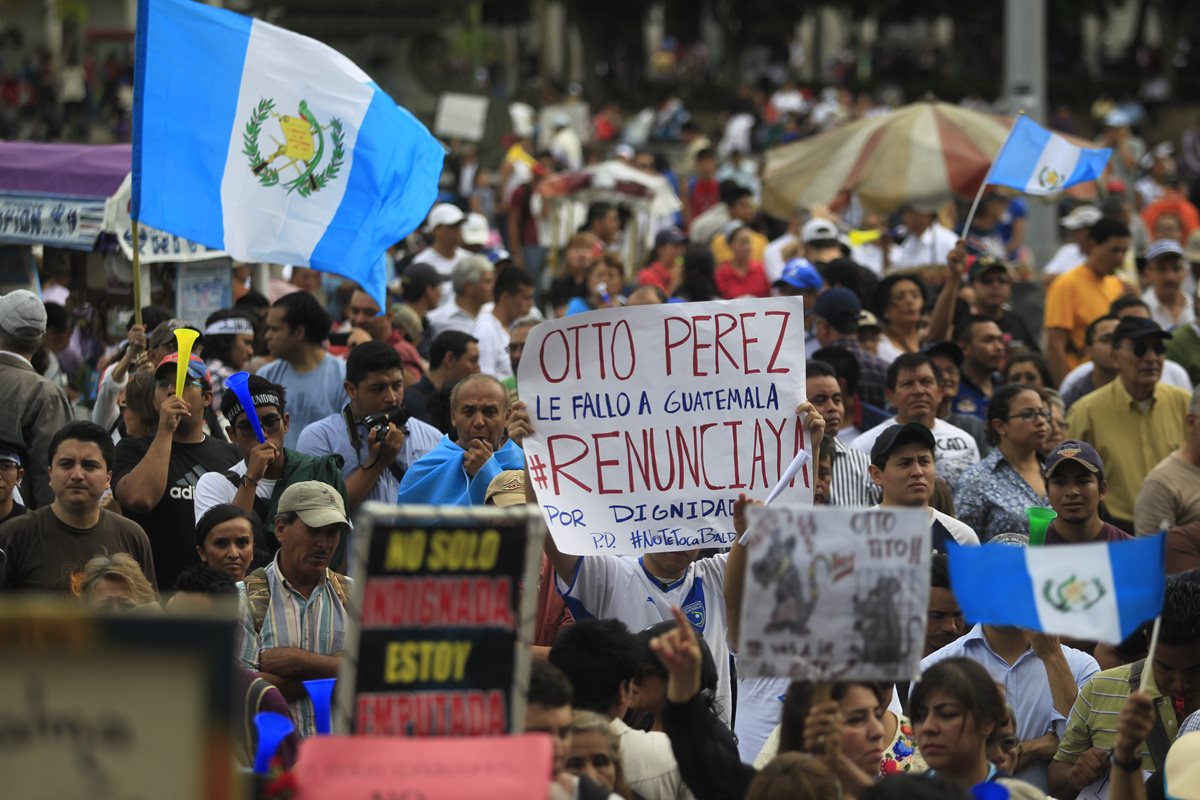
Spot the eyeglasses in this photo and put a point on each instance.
(270, 424)
(1030, 414)
(1158, 346)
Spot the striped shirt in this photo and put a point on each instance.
(316, 623)
(1093, 720)
(851, 484)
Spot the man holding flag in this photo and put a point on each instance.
(272, 146)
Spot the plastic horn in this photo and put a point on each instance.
(1039, 521)
(272, 730)
(321, 692)
(239, 384)
(185, 338)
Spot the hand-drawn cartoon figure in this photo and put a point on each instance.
(884, 639)
(792, 607)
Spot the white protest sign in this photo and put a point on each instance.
(835, 593)
(649, 421)
(461, 116)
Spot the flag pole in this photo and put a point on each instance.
(137, 272)
(1149, 665)
(983, 185)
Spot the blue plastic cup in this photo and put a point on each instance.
(272, 730)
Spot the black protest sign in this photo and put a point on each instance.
(434, 650)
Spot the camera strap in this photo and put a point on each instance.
(356, 442)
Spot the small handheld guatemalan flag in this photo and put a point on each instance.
(1101, 591)
(1036, 161)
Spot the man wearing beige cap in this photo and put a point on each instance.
(297, 604)
(34, 408)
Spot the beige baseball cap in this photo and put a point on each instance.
(317, 504)
(506, 489)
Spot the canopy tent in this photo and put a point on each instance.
(67, 195)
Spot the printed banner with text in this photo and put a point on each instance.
(434, 652)
(649, 421)
(835, 594)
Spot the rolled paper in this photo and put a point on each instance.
(185, 337)
(239, 384)
(1039, 521)
(272, 730)
(321, 692)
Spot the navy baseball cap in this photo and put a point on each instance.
(1074, 450)
(950, 349)
(1138, 328)
(799, 273)
(10, 453)
(897, 435)
(837, 304)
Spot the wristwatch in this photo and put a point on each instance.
(1134, 764)
(247, 482)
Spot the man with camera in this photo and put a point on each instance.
(256, 483)
(372, 433)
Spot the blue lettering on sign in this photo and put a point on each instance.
(604, 541)
(553, 413)
(567, 517)
(680, 539)
(600, 405)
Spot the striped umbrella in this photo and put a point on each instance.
(925, 153)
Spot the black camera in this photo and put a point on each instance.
(378, 423)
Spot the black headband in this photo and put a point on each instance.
(263, 399)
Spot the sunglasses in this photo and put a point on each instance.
(168, 384)
(1157, 345)
(270, 424)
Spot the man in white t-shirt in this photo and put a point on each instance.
(903, 467)
(926, 241)
(472, 280)
(1070, 254)
(914, 388)
(444, 225)
(513, 293)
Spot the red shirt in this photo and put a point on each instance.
(656, 275)
(703, 196)
(732, 285)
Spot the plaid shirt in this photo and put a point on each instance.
(316, 623)
(872, 372)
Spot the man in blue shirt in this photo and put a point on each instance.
(982, 344)
(375, 457)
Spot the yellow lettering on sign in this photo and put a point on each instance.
(412, 662)
(405, 552)
(465, 551)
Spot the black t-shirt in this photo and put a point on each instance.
(171, 525)
(17, 511)
(46, 554)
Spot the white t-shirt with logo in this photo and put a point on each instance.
(619, 587)
(214, 488)
(956, 449)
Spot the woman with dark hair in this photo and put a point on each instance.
(225, 539)
(741, 276)
(992, 495)
(697, 284)
(649, 692)
(1029, 369)
(228, 346)
(899, 302)
(957, 710)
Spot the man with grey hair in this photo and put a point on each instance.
(1171, 492)
(457, 472)
(34, 408)
(472, 278)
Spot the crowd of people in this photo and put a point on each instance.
(926, 388)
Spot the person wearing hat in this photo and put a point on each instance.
(1091, 739)
(1165, 271)
(298, 584)
(34, 407)
(801, 279)
(991, 279)
(476, 233)
(1134, 421)
(421, 291)
(472, 279)
(154, 477)
(256, 483)
(1083, 294)
(444, 228)
(1075, 488)
(512, 295)
(835, 323)
(665, 262)
(1128, 149)
(1075, 226)
(903, 467)
(11, 475)
(228, 346)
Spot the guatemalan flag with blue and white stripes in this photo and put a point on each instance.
(1036, 161)
(1098, 592)
(272, 146)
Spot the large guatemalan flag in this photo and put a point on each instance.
(271, 146)
(1100, 591)
(1036, 161)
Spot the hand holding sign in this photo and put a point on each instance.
(519, 423)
